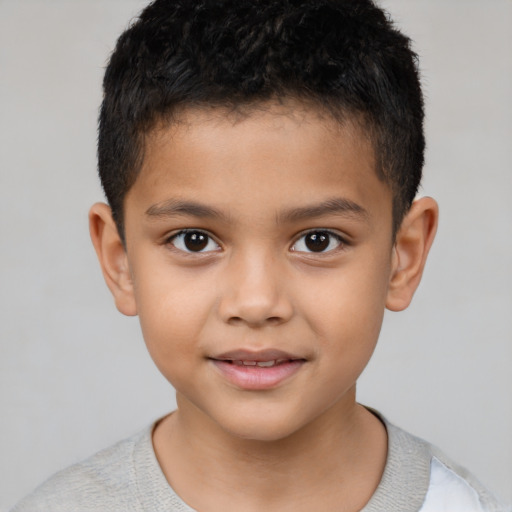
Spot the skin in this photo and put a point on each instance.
(258, 184)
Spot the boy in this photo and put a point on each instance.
(260, 160)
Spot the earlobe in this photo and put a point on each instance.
(412, 245)
(112, 257)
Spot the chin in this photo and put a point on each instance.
(264, 427)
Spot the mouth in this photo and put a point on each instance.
(261, 364)
(261, 370)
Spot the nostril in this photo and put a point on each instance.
(253, 308)
(273, 320)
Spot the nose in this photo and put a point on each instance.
(254, 292)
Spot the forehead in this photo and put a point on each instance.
(269, 153)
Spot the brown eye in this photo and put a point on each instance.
(194, 241)
(317, 241)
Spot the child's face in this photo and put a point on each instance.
(263, 239)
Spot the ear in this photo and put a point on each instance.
(413, 242)
(112, 257)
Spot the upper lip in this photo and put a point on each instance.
(258, 355)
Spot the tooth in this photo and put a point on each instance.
(249, 363)
(266, 363)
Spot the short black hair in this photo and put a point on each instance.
(345, 56)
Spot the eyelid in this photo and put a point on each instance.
(173, 236)
(335, 234)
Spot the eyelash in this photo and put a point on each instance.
(184, 232)
(208, 240)
(341, 242)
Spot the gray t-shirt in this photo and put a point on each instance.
(127, 478)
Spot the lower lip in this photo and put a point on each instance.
(257, 377)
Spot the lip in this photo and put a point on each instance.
(255, 377)
(255, 355)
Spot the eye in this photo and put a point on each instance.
(193, 241)
(317, 241)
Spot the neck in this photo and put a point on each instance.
(340, 457)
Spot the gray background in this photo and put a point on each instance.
(74, 373)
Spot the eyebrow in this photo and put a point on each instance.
(175, 207)
(334, 206)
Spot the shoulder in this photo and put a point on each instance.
(452, 488)
(419, 477)
(105, 481)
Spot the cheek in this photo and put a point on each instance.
(173, 312)
(346, 307)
